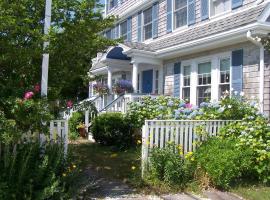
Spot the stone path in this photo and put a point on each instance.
(102, 188)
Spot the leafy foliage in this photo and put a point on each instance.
(223, 162)
(112, 129)
(73, 122)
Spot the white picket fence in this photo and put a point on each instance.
(58, 133)
(157, 134)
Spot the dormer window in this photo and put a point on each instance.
(218, 7)
(180, 13)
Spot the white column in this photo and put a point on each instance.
(214, 79)
(109, 81)
(261, 78)
(135, 77)
(160, 80)
(193, 83)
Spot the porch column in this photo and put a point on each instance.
(214, 79)
(160, 80)
(109, 79)
(135, 77)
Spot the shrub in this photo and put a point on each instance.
(112, 129)
(74, 121)
(253, 133)
(28, 174)
(224, 162)
(169, 166)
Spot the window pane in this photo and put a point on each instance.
(180, 3)
(225, 64)
(220, 6)
(204, 68)
(186, 94)
(223, 88)
(186, 80)
(181, 17)
(147, 16)
(204, 94)
(148, 32)
(186, 70)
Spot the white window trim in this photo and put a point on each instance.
(143, 25)
(174, 29)
(184, 64)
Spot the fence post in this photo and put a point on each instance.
(86, 120)
(145, 143)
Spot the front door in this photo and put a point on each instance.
(147, 81)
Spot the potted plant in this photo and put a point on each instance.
(101, 88)
(81, 128)
(123, 86)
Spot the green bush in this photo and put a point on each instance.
(112, 129)
(168, 165)
(224, 162)
(253, 133)
(74, 121)
(26, 173)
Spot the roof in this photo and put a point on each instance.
(203, 30)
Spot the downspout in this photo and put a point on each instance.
(261, 88)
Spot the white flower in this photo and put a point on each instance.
(242, 94)
(252, 97)
(235, 92)
(229, 106)
(232, 89)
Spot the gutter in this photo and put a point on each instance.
(261, 88)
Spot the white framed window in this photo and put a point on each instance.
(123, 30)
(218, 7)
(224, 75)
(180, 13)
(112, 3)
(204, 82)
(186, 83)
(147, 24)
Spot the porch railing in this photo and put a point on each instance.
(158, 133)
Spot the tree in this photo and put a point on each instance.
(74, 40)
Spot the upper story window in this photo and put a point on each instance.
(147, 24)
(204, 82)
(123, 30)
(180, 13)
(112, 3)
(218, 7)
(108, 34)
(224, 83)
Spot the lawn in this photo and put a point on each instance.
(253, 192)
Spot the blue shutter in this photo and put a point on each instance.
(191, 12)
(169, 16)
(139, 29)
(237, 71)
(204, 9)
(177, 71)
(155, 11)
(129, 29)
(236, 3)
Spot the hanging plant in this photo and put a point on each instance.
(101, 88)
(123, 86)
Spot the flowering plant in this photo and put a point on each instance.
(123, 86)
(101, 88)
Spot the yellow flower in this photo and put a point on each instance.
(133, 167)
(74, 166)
(114, 155)
(139, 141)
(64, 174)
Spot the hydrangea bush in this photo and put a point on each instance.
(229, 108)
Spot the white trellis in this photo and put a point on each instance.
(157, 133)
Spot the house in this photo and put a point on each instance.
(191, 49)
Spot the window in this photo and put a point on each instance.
(204, 82)
(224, 83)
(219, 6)
(156, 81)
(180, 13)
(108, 34)
(123, 30)
(147, 28)
(186, 84)
(112, 3)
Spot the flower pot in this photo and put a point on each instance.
(82, 132)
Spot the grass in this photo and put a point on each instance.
(253, 192)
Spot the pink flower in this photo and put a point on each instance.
(28, 95)
(188, 105)
(69, 104)
(37, 88)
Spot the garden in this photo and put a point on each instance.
(236, 159)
